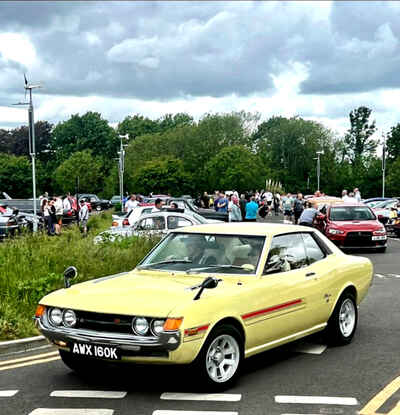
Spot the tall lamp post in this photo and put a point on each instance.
(121, 169)
(318, 167)
(383, 164)
(32, 148)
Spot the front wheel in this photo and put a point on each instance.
(220, 358)
(343, 322)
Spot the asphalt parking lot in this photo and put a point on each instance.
(302, 378)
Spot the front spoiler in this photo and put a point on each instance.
(167, 341)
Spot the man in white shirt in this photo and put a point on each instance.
(67, 204)
(131, 204)
(83, 215)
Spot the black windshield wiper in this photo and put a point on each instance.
(218, 266)
(168, 261)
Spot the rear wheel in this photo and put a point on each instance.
(343, 322)
(220, 358)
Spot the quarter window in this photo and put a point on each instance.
(150, 224)
(177, 222)
(287, 253)
(313, 251)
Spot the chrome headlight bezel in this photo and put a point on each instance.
(59, 316)
(140, 320)
(66, 313)
(334, 231)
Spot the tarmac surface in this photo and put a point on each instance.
(305, 377)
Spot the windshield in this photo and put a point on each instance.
(206, 253)
(385, 203)
(351, 213)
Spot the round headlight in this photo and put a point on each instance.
(69, 318)
(55, 316)
(140, 326)
(157, 326)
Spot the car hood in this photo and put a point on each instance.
(357, 225)
(136, 293)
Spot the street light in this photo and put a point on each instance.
(383, 164)
(121, 168)
(32, 149)
(318, 167)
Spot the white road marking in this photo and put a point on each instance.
(161, 412)
(71, 411)
(394, 275)
(88, 394)
(325, 400)
(6, 394)
(380, 276)
(224, 397)
(310, 348)
(394, 239)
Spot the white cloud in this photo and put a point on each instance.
(17, 47)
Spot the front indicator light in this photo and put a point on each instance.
(69, 318)
(172, 324)
(55, 316)
(40, 309)
(140, 326)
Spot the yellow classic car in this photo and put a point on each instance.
(210, 295)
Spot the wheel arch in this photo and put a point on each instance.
(349, 288)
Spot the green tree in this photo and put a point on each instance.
(15, 176)
(236, 168)
(393, 143)
(137, 125)
(358, 140)
(170, 121)
(161, 176)
(84, 165)
(393, 178)
(86, 132)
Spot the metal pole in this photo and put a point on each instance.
(318, 170)
(33, 156)
(383, 165)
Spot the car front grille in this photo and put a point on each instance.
(359, 239)
(111, 323)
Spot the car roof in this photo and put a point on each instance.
(350, 204)
(165, 214)
(244, 228)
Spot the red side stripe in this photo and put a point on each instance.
(195, 330)
(271, 309)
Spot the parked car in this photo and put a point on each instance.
(95, 202)
(152, 224)
(372, 202)
(210, 296)
(12, 221)
(382, 209)
(115, 200)
(352, 226)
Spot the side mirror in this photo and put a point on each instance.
(69, 274)
(209, 282)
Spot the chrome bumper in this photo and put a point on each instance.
(167, 342)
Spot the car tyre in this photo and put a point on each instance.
(343, 322)
(220, 359)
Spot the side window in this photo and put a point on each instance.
(313, 251)
(150, 224)
(177, 222)
(287, 253)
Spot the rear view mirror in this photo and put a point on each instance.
(69, 274)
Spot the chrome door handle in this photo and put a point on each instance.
(310, 274)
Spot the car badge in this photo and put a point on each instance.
(117, 320)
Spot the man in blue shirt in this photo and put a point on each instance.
(251, 210)
(222, 203)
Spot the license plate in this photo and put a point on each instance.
(379, 238)
(95, 350)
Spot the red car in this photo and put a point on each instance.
(352, 226)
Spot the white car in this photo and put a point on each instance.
(151, 224)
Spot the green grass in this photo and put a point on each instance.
(32, 266)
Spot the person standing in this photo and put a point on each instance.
(53, 218)
(357, 195)
(45, 209)
(83, 216)
(131, 204)
(67, 203)
(222, 203)
(298, 207)
(287, 206)
(216, 200)
(58, 204)
(251, 210)
(269, 197)
(235, 214)
(242, 205)
(277, 203)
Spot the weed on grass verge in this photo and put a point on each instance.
(31, 266)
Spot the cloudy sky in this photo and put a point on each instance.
(318, 60)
